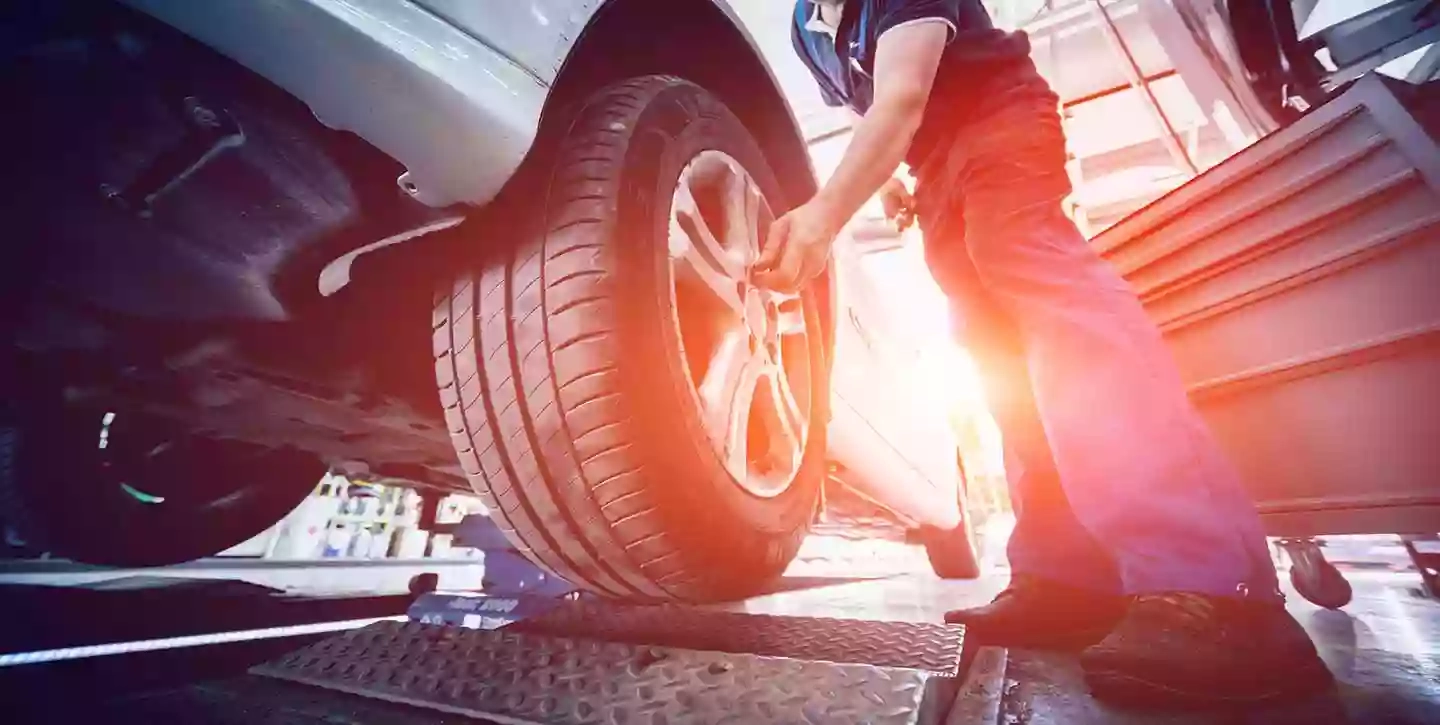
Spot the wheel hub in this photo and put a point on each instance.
(746, 348)
(757, 316)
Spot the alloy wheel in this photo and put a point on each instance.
(747, 349)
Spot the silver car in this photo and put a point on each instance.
(476, 245)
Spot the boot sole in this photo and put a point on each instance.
(1128, 690)
(1065, 642)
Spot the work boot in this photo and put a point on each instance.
(1039, 613)
(1188, 650)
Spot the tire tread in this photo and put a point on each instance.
(546, 435)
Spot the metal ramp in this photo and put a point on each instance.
(595, 663)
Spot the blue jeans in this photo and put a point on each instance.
(1117, 482)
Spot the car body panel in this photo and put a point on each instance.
(889, 432)
(453, 90)
(537, 34)
(458, 114)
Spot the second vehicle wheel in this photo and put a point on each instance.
(97, 484)
(1315, 578)
(955, 554)
(642, 421)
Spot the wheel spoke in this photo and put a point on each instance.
(788, 434)
(699, 256)
(736, 339)
(743, 207)
(726, 394)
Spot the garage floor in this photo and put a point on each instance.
(1384, 647)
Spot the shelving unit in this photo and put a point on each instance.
(354, 519)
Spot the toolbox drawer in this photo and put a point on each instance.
(1298, 284)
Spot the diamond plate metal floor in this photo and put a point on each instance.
(514, 677)
(1382, 649)
(931, 647)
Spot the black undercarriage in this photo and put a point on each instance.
(164, 244)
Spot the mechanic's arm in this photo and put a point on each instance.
(798, 245)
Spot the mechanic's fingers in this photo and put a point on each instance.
(814, 267)
(771, 279)
(892, 205)
(780, 277)
(896, 199)
(907, 200)
(776, 240)
(810, 265)
(786, 274)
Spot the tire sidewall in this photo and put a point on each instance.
(703, 499)
(955, 553)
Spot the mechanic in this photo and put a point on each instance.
(1135, 539)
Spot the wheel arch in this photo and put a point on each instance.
(699, 40)
(704, 42)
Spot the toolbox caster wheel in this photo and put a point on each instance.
(1315, 578)
(424, 583)
(955, 554)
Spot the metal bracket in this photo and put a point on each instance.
(209, 132)
(336, 275)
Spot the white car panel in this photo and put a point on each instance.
(881, 473)
(538, 34)
(452, 89)
(458, 114)
(891, 433)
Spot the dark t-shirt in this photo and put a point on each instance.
(978, 60)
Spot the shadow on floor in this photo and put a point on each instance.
(801, 583)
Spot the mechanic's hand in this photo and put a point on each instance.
(797, 248)
(898, 202)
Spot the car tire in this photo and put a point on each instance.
(136, 503)
(571, 366)
(955, 553)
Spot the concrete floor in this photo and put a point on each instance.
(1384, 647)
(356, 577)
